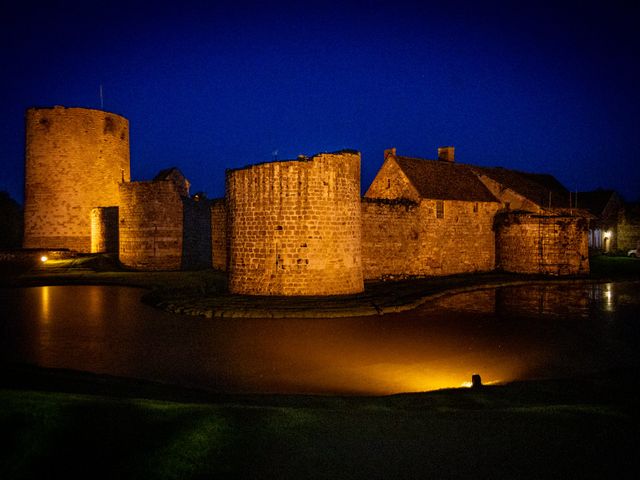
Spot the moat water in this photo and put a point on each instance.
(504, 334)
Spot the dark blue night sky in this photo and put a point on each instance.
(208, 86)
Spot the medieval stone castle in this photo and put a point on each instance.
(295, 227)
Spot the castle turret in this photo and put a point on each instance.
(74, 160)
(295, 226)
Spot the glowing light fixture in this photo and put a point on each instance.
(44, 258)
(608, 234)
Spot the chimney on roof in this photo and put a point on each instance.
(446, 154)
(389, 151)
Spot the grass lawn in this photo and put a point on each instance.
(573, 429)
(614, 266)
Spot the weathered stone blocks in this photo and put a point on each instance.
(74, 160)
(104, 230)
(151, 225)
(294, 227)
(546, 244)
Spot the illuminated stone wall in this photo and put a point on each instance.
(551, 245)
(74, 160)
(390, 238)
(295, 226)
(151, 225)
(402, 238)
(462, 241)
(627, 234)
(104, 230)
(219, 234)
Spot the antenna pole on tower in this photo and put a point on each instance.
(101, 99)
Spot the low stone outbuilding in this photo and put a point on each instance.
(427, 217)
(538, 229)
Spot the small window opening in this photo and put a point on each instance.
(439, 209)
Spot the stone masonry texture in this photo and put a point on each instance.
(74, 160)
(219, 234)
(407, 239)
(402, 234)
(151, 225)
(551, 245)
(104, 230)
(294, 227)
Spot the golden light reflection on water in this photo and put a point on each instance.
(45, 304)
(502, 334)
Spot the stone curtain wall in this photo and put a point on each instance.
(104, 230)
(552, 245)
(390, 238)
(151, 225)
(628, 236)
(196, 233)
(461, 242)
(628, 228)
(295, 227)
(74, 160)
(401, 238)
(219, 234)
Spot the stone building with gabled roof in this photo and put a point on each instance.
(615, 225)
(427, 217)
(438, 217)
(606, 206)
(530, 192)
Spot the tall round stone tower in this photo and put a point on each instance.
(74, 160)
(295, 226)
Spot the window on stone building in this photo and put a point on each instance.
(388, 183)
(475, 207)
(439, 209)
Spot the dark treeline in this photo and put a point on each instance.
(10, 222)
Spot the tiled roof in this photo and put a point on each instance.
(539, 188)
(443, 180)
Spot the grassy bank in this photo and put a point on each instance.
(571, 429)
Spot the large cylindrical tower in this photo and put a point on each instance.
(74, 160)
(295, 226)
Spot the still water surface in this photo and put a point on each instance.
(508, 333)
